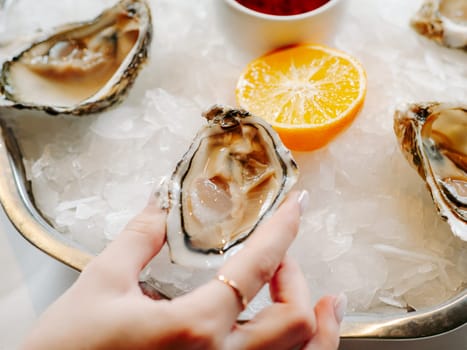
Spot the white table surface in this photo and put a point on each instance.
(31, 280)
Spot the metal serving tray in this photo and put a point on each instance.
(18, 202)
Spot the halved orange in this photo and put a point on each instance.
(308, 93)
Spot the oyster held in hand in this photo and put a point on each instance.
(433, 137)
(82, 68)
(444, 21)
(235, 173)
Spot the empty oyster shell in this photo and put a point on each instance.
(235, 173)
(444, 21)
(433, 137)
(82, 68)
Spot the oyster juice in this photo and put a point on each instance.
(83, 68)
(433, 137)
(235, 173)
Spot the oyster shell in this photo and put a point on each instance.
(433, 137)
(235, 173)
(82, 68)
(444, 21)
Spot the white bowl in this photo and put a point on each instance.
(258, 32)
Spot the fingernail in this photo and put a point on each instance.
(340, 305)
(303, 200)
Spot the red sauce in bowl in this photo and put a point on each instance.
(282, 7)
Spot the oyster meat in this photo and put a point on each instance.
(236, 172)
(82, 68)
(433, 137)
(444, 21)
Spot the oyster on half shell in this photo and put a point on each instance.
(433, 137)
(81, 68)
(444, 21)
(235, 173)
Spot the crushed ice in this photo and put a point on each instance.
(371, 230)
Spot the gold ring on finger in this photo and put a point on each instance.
(234, 286)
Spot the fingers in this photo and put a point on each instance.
(289, 286)
(329, 312)
(253, 265)
(138, 243)
(256, 263)
(289, 323)
(276, 327)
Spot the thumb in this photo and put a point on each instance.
(329, 312)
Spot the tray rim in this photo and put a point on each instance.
(17, 202)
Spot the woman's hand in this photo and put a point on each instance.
(105, 308)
